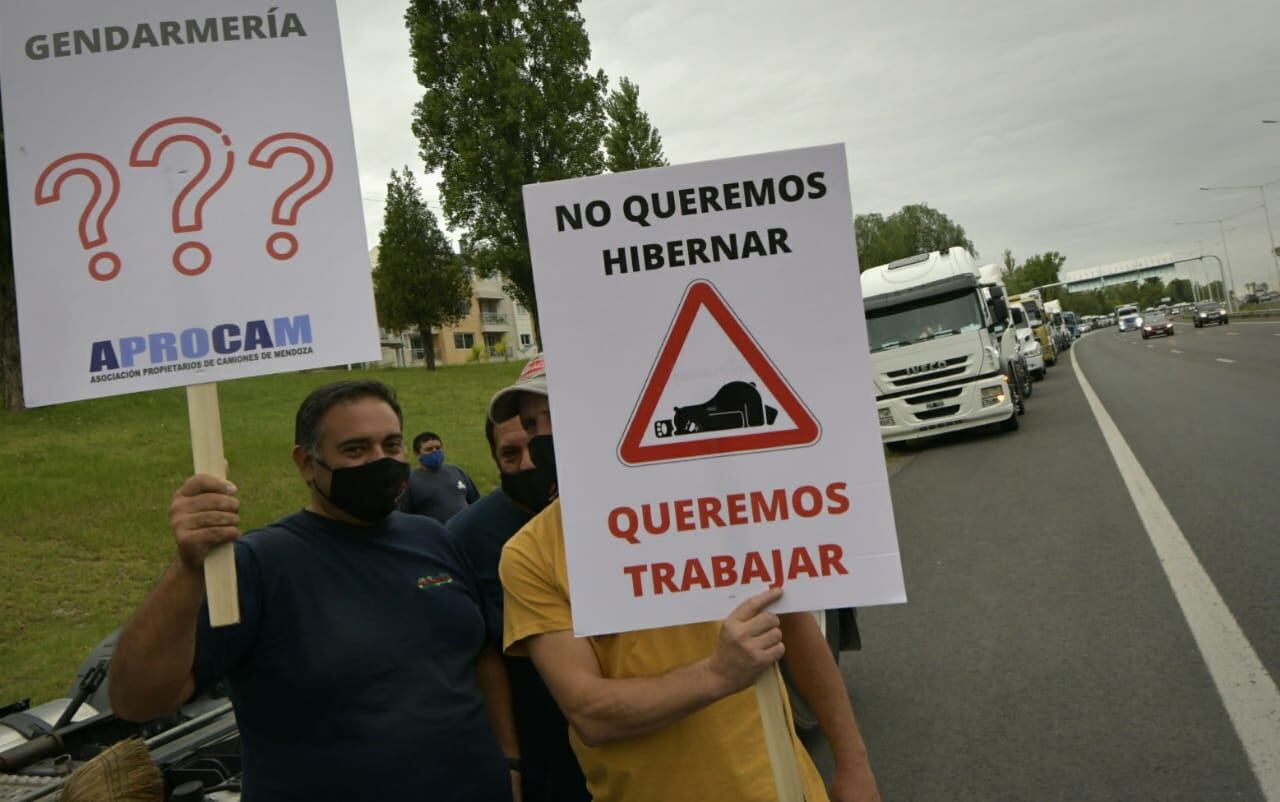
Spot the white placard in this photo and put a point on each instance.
(711, 391)
(184, 194)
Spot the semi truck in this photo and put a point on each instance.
(1014, 352)
(934, 353)
(1057, 325)
(1033, 305)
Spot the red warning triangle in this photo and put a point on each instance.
(738, 439)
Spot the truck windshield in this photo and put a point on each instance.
(1019, 319)
(924, 319)
(1033, 312)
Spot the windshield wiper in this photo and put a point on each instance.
(941, 333)
(891, 344)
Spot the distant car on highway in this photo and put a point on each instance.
(1210, 312)
(1156, 325)
(1130, 322)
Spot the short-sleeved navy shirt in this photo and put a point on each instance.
(438, 494)
(353, 668)
(551, 772)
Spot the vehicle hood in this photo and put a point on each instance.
(946, 360)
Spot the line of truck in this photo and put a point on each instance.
(951, 349)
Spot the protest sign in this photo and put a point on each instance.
(185, 205)
(711, 391)
(184, 194)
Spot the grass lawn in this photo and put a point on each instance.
(85, 488)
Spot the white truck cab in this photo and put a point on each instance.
(1028, 345)
(935, 357)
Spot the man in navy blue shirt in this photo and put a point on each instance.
(550, 771)
(436, 489)
(363, 665)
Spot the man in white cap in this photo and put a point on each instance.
(549, 772)
(665, 713)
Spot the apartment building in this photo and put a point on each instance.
(495, 327)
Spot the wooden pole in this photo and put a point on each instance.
(778, 736)
(206, 449)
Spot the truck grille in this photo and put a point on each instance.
(909, 376)
(940, 412)
(941, 395)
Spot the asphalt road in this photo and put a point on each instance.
(1042, 654)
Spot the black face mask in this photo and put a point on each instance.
(535, 488)
(367, 492)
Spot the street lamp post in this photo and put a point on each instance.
(1201, 259)
(1266, 213)
(1228, 287)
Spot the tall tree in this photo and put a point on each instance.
(508, 101)
(1036, 271)
(631, 143)
(10, 358)
(911, 230)
(418, 283)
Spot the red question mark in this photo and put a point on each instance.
(212, 175)
(93, 221)
(282, 245)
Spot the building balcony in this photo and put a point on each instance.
(495, 320)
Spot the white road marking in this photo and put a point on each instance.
(1248, 693)
(1232, 333)
(1228, 361)
(1176, 351)
(1151, 346)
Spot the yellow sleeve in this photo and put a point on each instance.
(535, 597)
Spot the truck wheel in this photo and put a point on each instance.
(1038, 375)
(1011, 423)
(1019, 406)
(804, 717)
(897, 445)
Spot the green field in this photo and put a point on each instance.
(85, 488)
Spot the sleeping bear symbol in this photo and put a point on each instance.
(736, 405)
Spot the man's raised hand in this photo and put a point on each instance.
(204, 513)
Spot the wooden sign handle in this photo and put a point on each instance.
(778, 736)
(206, 449)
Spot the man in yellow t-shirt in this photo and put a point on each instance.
(668, 715)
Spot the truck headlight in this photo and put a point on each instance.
(992, 396)
(886, 417)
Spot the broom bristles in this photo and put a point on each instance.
(122, 773)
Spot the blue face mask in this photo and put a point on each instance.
(433, 461)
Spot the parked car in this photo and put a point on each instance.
(1210, 312)
(1157, 325)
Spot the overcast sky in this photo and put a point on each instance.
(1082, 126)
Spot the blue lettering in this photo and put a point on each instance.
(220, 335)
(195, 343)
(131, 347)
(292, 331)
(256, 335)
(103, 357)
(164, 347)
